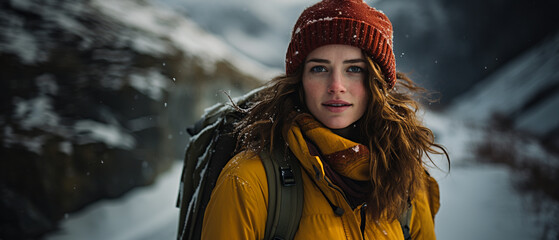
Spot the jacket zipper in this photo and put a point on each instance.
(331, 185)
(363, 207)
(363, 219)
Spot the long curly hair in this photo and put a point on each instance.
(397, 139)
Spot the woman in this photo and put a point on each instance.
(356, 137)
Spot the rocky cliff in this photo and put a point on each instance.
(95, 98)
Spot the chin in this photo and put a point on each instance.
(337, 125)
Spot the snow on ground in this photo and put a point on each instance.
(478, 200)
(143, 213)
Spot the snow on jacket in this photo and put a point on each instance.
(238, 206)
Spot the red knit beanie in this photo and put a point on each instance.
(348, 22)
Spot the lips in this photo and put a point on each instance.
(336, 105)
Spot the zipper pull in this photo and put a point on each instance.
(363, 219)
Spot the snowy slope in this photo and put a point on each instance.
(531, 78)
(144, 213)
(476, 198)
(163, 21)
(526, 92)
(258, 29)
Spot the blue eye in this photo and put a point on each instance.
(355, 69)
(318, 69)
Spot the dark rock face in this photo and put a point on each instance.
(91, 107)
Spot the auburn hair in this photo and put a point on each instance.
(397, 140)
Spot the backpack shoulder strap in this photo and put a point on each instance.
(285, 193)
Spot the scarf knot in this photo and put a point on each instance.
(347, 158)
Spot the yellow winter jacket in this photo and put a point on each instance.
(238, 205)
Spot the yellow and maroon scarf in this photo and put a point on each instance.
(345, 162)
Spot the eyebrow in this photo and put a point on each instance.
(318, 60)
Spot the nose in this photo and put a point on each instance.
(336, 84)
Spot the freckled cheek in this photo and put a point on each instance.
(311, 91)
(361, 94)
(307, 87)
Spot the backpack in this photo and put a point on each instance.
(211, 146)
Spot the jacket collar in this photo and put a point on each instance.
(348, 158)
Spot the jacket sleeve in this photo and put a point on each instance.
(425, 206)
(238, 205)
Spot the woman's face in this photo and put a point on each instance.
(333, 81)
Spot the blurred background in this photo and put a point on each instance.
(97, 94)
